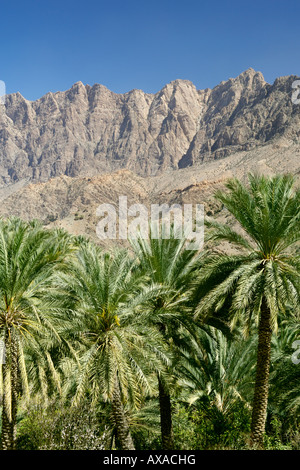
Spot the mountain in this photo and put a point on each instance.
(90, 130)
(72, 202)
(67, 153)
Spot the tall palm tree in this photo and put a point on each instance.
(261, 281)
(119, 353)
(29, 256)
(167, 263)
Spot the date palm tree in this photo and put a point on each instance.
(284, 378)
(29, 257)
(262, 280)
(118, 353)
(217, 373)
(167, 263)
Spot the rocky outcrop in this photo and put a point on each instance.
(89, 130)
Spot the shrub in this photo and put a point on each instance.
(60, 428)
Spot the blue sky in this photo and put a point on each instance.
(49, 45)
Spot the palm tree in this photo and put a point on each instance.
(261, 281)
(217, 373)
(284, 380)
(119, 353)
(167, 263)
(29, 256)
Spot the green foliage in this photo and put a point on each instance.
(87, 323)
(269, 217)
(203, 427)
(273, 440)
(261, 283)
(60, 428)
(106, 292)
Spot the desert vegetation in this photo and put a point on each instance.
(155, 346)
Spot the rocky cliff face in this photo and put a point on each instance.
(242, 114)
(88, 130)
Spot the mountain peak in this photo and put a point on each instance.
(89, 129)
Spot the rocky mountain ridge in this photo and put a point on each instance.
(90, 130)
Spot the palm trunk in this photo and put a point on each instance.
(165, 417)
(11, 375)
(123, 434)
(261, 391)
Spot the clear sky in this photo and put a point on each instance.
(49, 45)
